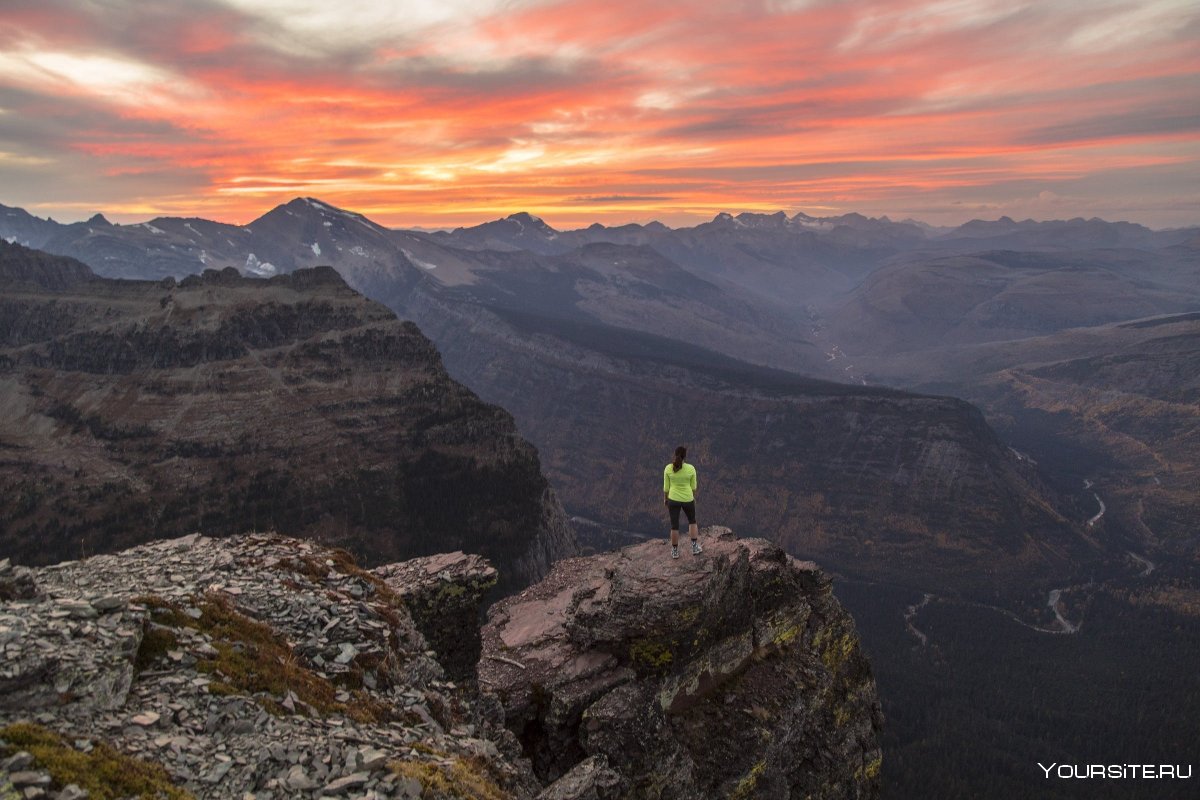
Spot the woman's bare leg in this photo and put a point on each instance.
(675, 537)
(694, 531)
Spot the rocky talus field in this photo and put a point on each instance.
(260, 666)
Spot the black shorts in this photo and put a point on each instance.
(689, 508)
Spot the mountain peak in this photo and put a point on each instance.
(310, 208)
(524, 218)
(762, 220)
(98, 219)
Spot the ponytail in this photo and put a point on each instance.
(680, 455)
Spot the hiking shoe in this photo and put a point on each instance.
(674, 551)
(696, 548)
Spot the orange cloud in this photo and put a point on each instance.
(586, 110)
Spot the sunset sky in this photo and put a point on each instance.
(452, 112)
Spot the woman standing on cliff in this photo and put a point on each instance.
(679, 492)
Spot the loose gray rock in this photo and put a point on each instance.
(343, 785)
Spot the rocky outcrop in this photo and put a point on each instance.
(136, 410)
(734, 673)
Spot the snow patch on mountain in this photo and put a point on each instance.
(815, 224)
(316, 248)
(257, 267)
(324, 209)
(416, 261)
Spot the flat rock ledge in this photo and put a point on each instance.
(731, 674)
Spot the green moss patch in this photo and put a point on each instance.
(835, 648)
(316, 569)
(869, 772)
(651, 654)
(105, 773)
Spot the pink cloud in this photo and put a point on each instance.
(544, 105)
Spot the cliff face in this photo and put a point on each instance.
(734, 673)
(258, 664)
(135, 410)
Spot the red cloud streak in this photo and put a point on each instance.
(605, 110)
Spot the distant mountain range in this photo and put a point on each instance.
(827, 252)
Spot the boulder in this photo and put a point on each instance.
(16, 582)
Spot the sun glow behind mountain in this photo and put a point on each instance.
(447, 113)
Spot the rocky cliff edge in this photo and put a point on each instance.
(267, 667)
(733, 673)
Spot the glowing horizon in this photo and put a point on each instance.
(440, 114)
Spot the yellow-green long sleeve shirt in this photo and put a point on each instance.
(680, 486)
